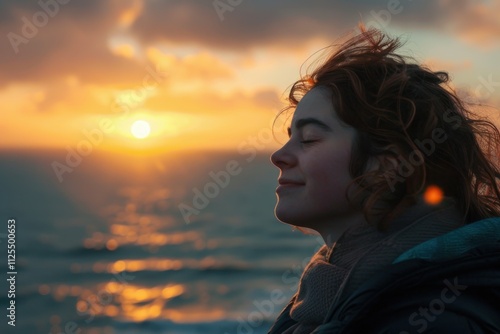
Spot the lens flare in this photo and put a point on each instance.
(433, 195)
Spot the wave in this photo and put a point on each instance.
(225, 326)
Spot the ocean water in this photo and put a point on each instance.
(108, 249)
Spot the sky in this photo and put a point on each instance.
(205, 74)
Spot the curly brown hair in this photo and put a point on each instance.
(406, 112)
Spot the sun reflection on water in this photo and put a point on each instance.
(140, 221)
(136, 303)
(127, 301)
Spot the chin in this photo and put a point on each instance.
(290, 217)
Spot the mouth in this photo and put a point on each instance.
(285, 186)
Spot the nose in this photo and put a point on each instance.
(283, 157)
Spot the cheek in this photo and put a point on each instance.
(332, 173)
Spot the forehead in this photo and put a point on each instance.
(317, 104)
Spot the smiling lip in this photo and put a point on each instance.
(284, 181)
(284, 184)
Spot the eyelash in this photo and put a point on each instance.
(307, 141)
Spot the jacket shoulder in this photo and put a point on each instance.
(446, 322)
(418, 296)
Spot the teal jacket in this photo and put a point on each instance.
(448, 284)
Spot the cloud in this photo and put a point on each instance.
(283, 24)
(477, 23)
(199, 66)
(292, 24)
(209, 101)
(92, 53)
(74, 42)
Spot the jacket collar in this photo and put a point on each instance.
(456, 242)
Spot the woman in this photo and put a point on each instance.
(398, 176)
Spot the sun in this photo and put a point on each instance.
(140, 129)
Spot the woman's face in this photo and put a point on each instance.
(316, 157)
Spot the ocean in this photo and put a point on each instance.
(146, 243)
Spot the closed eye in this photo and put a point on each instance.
(308, 141)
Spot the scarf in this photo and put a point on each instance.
(359, 253)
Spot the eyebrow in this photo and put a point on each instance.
(305, 121)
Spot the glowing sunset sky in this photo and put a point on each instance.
(204, 74)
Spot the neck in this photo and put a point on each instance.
(331, 230)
